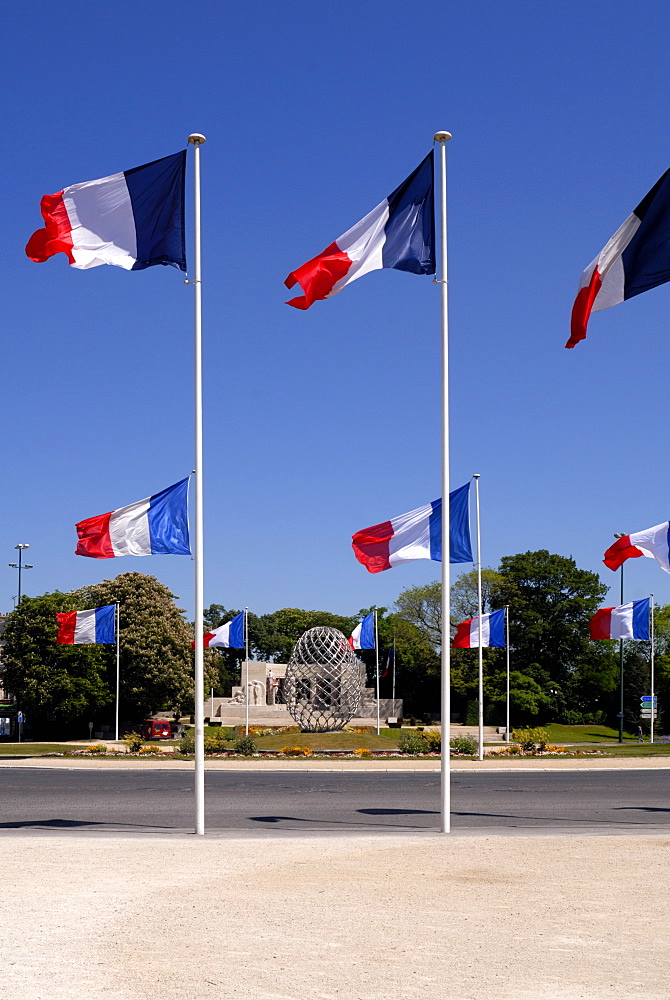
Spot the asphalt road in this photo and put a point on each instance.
(148, 801)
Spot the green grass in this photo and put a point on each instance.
(559, 733)
(35, 749)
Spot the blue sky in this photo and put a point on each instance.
(321, 423)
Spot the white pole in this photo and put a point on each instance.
(445, 700)
(377, 665)
(393, 675)
(653, 712)
(118, 669)
(507, 688)
(211, 705)
(246, 665)
(479, 613)
(196, 140)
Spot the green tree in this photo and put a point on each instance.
(421, 606)
(53, 683)
(274, 635)
(155, 644)
(551, 602)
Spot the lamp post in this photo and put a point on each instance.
(20, 567)
(620, 535)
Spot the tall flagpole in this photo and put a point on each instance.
(197, 140)
(653, 708)
(117, 617)
(507, 687)
(445, 701)
(246, 669)
(480, 695)
(377, 663)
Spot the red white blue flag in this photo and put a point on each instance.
(652, 542)
(79, 627)
(155, 526)
(228, 636)
(628, 621)
(398, 233)
(133, 219)
(636, 259)
(492, 632)
(417, 535)
(363, 636)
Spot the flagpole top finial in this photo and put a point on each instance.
(442, 136)
(197, 138)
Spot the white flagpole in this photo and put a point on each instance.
(653, 712)
(197, 140)
(117, 618)
(393, 692)
(479, 613)
(507, 689)
(377, 664)
(246, 665)
(445, 701)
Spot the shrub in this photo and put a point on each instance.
(296, 751)
(98, 748)
(134, 742)
(245, 746)
(186, 745)
(464, 744)
(433, 740)
(363, 752)
(531, 740)
(412, 743)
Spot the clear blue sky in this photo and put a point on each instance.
(321, 423)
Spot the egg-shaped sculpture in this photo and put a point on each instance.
(322, 687)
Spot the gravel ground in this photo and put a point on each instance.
(297, 917)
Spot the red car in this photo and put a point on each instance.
(157, 729)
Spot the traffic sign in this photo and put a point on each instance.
(647, 698)
(646, 713)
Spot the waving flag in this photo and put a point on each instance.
(398, 233)
(228, 636)
(417, 535)
(652, 542)
(155, 526)
(493, 632)
(628, 621)
(636, 258)
(363, 636)
(96, 625)
(134, 219)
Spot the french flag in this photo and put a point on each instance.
(363, 636)
(398, 233)
(133, 219)
(628, 621)
(652, 542)
(417, 535)
(96, 625)
(636, 258)
(155, 526)
(228, 636)
(492, 632)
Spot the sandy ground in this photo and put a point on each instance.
(295, 917)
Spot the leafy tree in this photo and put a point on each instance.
(51, 682)
(155, 643)
(551, 602)
(421, 606)
(464, 594)
(274, 635)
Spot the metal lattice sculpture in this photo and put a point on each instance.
(322, 688)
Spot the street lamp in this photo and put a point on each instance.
(20, 567)
(620, 535)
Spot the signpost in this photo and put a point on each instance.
(648, 706)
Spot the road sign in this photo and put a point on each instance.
(19, 716)
(646, 713)
(647, 698)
